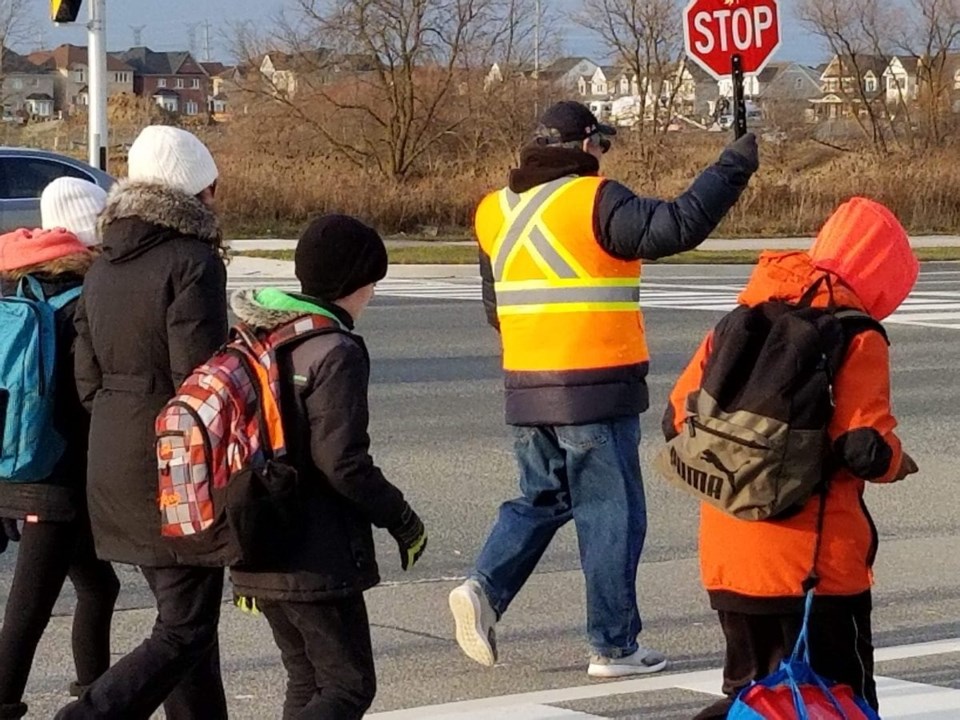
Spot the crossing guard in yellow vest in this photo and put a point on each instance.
(560, 255)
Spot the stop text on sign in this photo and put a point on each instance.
(729, 31)
(714, 31)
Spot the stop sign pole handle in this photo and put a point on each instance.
(739, 104)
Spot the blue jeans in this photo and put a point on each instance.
(591, 474)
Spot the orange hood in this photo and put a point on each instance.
(865, 245)
(787, 275)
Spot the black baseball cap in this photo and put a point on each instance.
(570, 121)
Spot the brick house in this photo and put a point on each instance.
(26, 89)
(173, 80)
(71, 75)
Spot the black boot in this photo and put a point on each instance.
(13, 711)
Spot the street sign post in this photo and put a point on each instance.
(66, 11)
(731, 38)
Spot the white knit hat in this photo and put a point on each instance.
(171, 157)
(73, 204)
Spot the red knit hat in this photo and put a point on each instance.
(23, 248)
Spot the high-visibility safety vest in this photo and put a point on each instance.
(563, 302)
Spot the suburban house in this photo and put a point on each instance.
(289, 73)
(695, 92)
(846, 82)
(569, 73)
(71, 73)
(27, 90)
(901, 80)
(229, 81)
(174, 80)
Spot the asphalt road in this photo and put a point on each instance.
(438, 434)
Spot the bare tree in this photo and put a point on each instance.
(931, 36)
(646, 37)
(381, 81)
(12, 28)
(859, 34)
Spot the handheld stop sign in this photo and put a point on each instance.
(731, 38)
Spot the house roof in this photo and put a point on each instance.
(40, 96)
(698, 73)
(68, 56)
(909, 62)
(13, 62)
(147, 62)
(563, 65)
(300, 60)
(213, 68)
(865, 63)
(166, 92)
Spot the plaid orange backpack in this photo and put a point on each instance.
(226, 496)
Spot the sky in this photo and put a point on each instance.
(166, 25)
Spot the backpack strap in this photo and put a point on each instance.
(259, 354)
(61, 300)
(29, 287)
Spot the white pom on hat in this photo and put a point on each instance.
(171, 157)
(73, 204)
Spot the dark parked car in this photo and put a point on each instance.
(23, 176)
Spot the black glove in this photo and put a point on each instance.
(411, 536)
(746, 147)
(9, 532)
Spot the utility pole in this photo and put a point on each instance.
(192, 38)
(536, 63)
(138, 34)
(536, 43)
(97, 61)
(206, 41)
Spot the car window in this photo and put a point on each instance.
(27, 177)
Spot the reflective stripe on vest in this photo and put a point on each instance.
(568, 287)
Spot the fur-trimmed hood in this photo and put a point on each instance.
(269, 308)
(140, 215)
(245, 306)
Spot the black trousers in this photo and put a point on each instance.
(325, 648)
(178, 665)
(49, 553)
(841, 649)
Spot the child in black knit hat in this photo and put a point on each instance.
(314, 600)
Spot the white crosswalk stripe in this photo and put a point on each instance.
(927, 308)
(899, 699)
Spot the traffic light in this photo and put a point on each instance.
(64, 11)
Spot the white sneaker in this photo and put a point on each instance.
(643, 662)
(476, 621)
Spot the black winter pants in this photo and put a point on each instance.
(325, 648)
(841, 649)
(50, 552)
(177, 666)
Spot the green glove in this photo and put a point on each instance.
(246, 604)
(411, 537)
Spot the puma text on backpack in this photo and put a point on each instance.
(28, 351)
(755, 442)
(224, 490)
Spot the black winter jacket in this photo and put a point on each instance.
(153, 308)
(324, 385)
(626, 225)
(61, 497)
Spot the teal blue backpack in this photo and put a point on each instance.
(31, 446)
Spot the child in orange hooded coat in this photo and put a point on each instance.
(754, 570)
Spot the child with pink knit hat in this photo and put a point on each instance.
(55, 540)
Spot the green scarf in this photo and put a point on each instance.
(274, 299)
